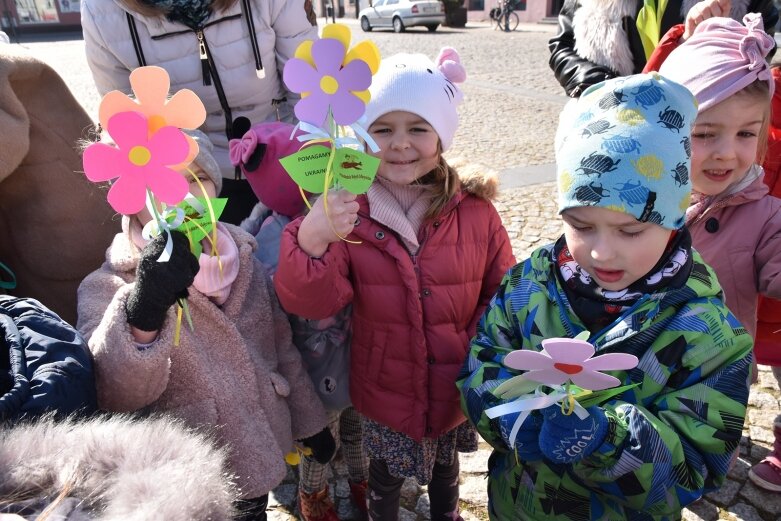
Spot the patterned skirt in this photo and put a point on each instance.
(406, 458)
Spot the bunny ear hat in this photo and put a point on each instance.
(413, 83)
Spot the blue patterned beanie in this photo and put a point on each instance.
(625, 146)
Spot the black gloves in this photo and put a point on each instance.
(322, 444)
(160, 284)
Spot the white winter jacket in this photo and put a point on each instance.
(280, 25)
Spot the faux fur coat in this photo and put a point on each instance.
(599, 39)
(237, 371)
(114, 469)
(55, 223)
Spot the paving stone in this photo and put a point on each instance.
(769, 502)
(743, 512)
(423, 507)
(739, 470)
(473, 490)
(474, 462)
(763, 400)
(726, 494)
(702, 510)
(406, 515)
(284, 495)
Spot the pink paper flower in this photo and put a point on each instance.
(563, 359)
(328, 84)
(139, 161)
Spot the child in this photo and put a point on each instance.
(425, 252)
(767, 346)
(734, 223)
(625, 272)
(324, 344)
(237, 373)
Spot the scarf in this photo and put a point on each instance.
(192, 13)
(401, 208)
(598, 307)
(211, 281)
(700, 203)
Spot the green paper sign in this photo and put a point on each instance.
(351, 169)
(195, 226)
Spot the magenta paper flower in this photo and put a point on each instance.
(563, 359)
(139, 161)
(328, 84)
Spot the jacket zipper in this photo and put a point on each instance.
(204, 57)
(210, 74)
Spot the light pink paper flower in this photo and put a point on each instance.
(140, 161)
(563, 359)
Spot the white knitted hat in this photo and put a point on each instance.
(413, 83)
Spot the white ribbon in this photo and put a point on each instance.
(527, 403)
(156, 226)
(313, 132)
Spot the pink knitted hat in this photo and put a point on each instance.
(258, 152)
(721, 58)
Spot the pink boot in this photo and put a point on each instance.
(767, 473)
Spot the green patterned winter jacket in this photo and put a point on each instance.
(670, 439)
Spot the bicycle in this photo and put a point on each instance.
(505, 18)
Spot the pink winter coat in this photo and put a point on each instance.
(413, 317)
(237, 374)
(739, 235)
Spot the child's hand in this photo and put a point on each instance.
(319, 229)
(322, 444)
(565, 438)
(701, 11)
(527, 441)
(159, 284)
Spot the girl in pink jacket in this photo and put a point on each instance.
(734, 223)
(236, 374)
(426, 251)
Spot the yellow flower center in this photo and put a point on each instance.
(329, 85)
(139, 155)
(155, 123)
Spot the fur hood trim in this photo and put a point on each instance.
(118, 468)
(600, 36)
(480, 183)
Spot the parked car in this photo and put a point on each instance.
(400, 14)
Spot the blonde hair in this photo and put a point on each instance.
(151, 11)
(444, 182)
(760, 90)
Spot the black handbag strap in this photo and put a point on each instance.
(131, 22)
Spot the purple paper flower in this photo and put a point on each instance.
(328, 84)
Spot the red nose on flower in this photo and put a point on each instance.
(568, 368)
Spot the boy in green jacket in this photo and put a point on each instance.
(625, 272)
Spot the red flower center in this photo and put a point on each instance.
(568, 368)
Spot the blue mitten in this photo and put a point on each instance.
(527, 445)
(565, 438)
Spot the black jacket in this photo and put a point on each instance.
(45, 365)
(576, 74)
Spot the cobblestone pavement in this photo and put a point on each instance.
(508, 121)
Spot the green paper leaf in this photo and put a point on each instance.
(355, 170)
(589, 398)
(307, 167)
(197, 226)
(515, 387)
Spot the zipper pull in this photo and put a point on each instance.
(207, 77)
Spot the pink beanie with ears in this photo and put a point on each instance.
(413, 83)
(258, 152)
(721, 58)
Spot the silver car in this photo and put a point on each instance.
(401, 14)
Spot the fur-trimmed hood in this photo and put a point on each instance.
(117, 468)
(480, 183)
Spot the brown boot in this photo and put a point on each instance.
(358, 493)
(316, 506)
